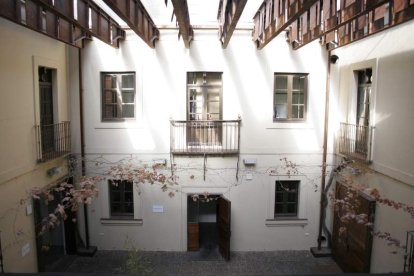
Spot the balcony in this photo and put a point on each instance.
(355, 141)
(205, 137)
(52, 141)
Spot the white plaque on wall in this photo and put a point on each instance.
(157, 208)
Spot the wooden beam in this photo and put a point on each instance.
(229, 14)
(137, 18)
(278, 22)
(57, 20)
(183, 19)
(355, 23)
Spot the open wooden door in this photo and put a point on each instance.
(352, 251)
(223, 224)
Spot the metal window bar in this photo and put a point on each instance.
(409, 252)
(52, 141)
(198, 137)
(355, 141)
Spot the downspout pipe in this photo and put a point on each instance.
(82, 138)
(322, 213)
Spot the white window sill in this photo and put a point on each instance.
(286, 222)
(109, 221)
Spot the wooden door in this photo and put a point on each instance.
(193, 228)
(223, 224)
(352, 250)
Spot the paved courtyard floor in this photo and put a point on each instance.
(191, 263)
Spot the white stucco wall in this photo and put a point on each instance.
(248, 92)
(22, 51)
(391, 56)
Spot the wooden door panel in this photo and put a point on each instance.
(193, 237)
(223, 223)
(352, 250)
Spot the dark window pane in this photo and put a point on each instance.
(281, 98)
(128, 111)
(281, 82)
(115, 207)
(114, 185)
(279, 197)
(291, 197)
(128, 81)
(110, 81)
(279, 208)
(128, 197)
(295, 111)
(278, 186)
(301, 112)
(298, 82)
(128, 96)
(291, 208)
(116, 196)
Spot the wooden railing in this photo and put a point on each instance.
(355, 141)
(52, 141)
(205, 137)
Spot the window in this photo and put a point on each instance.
(121, 198)
(363, 97)
(289, 97)
(46, 110)
(204, 108)
(118, 96)
(286, 198)
(204, 96)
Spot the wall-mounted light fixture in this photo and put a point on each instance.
(334, 58)
(250, 161)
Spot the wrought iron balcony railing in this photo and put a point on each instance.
(205, 137)
(52, 141)
(355, 141)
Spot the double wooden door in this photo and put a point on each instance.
(351, 248)
(223, 221)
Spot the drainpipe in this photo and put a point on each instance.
(82, 137)
(1, 257)
(324, 155)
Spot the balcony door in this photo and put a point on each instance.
(204, 108)
(363, 110)
(46, 110)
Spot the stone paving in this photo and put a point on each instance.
(187, 263)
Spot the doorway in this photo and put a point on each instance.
(52, 244)
(208, 226)
(46, 112)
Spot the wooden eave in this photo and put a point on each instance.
(295, 9)
(56, 19)
(137, 18)
(183, 19)
(229, 14)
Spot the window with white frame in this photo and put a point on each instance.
(289, 97)
(286, 198)
(118, 96)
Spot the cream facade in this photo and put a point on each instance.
(391, 57)
(160, 222)
(22, 53)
